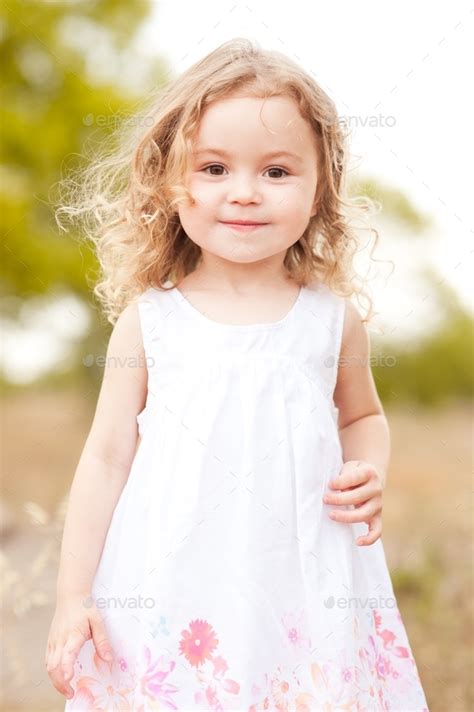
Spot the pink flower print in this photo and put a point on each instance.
(388, 638)
(347, 670)
(231, 686)
(278, 691)
(347, 674)
(382, 666)
(109, 691)
(328, 693)
(295, 627)
(220, 666)
(153, 683)
(373, 646)
(382, 702)
(401, 652)
(260, 689)
(387, 635)
(212, 699)
(287, 695)
(198, 643)
(264, 705)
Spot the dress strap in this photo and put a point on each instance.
(325, 312)
(153, 307)
(150, 321)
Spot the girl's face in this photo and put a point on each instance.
(254, 160)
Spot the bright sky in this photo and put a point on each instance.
(406, 63)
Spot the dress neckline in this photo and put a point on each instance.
(186, 305)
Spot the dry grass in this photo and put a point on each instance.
(427, 536)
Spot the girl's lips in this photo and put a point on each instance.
(244, 227)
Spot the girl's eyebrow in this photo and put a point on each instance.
(272, 154)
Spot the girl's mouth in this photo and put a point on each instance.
(244, 227)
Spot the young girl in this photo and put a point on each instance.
(232, 561)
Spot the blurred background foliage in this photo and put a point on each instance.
(437, 367)
(55, 98)
(56, 101)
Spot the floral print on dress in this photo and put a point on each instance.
(153, 683)
(375, 672)
(198, 645)
(160, 627)
(115, 688)
(295, 629)
(384, 670)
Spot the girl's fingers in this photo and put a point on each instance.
(374, 533)
(100, 639)
(70, 652)
(354, 496)
(53, 668)
(56, 656)
(362, 514)
(350, 476)
(56, 673)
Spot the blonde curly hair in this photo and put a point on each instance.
(127, 198)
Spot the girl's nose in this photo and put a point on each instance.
(244, 190)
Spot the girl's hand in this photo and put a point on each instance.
(361, 486)
(76, 620)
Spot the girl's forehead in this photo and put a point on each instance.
(240, 103)
(275, 113)
(274, 122)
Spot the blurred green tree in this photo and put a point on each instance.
(436, 368)
(62, 64)
(71, 71)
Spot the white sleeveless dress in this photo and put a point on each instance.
(223, 582)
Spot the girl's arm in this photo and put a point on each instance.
(363, 427)
(363, 432)
(99, 479)
(107, 456)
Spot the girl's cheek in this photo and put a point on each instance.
(209, 197)
(202, 188)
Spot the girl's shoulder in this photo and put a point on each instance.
(154, 292)
(324, 293)
(322, 288)
(340, 315)
(325, 298)
(153, 302)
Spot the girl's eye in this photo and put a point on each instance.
(216, 165)
(275, 168)
(213, 165)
